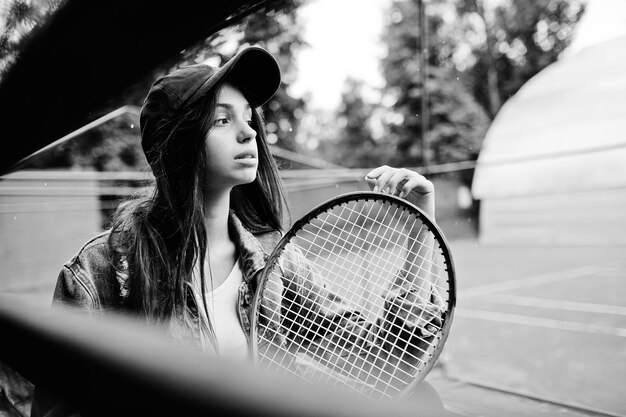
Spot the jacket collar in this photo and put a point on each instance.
(252, 255)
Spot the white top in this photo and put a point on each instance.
(222, 305)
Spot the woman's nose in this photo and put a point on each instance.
(246, 133)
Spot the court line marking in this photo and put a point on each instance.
(554, 304)
(515, 284)
(585, 409)
(539, 322)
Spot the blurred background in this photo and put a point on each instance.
(515, 109)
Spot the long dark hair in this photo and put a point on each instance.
(162, 234)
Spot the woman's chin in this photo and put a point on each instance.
(246, 178)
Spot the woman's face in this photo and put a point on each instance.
(231, 148)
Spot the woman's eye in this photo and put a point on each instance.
(249, 122)
(220, 121)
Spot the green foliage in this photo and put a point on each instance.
(512, 42)
(18, 20)
(476, 58)
(357, 147)
(456, 123)
(113, 146)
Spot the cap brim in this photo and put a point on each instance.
(254, 70)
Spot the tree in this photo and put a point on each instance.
(457, 122)
(113, 146)
(511, 43)
(354, 145)
(488, 52)
(20, 18)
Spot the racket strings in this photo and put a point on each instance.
(374, 239)
(333, 224)
(373, 370)
(307, 322)
(330, 373)
(365, 244)
(311, 324)
(330, 370)
(327, 253)
(359, 250)
(348, 289)
(376, 268)
(341, 217)
(304, 312)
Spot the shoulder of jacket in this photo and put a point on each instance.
(268, 239)
(86, 279)
(97, 245)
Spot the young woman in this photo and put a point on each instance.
(186, 255)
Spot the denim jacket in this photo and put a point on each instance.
(97, 281)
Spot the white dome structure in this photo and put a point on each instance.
(552, 169)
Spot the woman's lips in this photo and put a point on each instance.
(246, 155)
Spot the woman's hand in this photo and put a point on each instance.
(404, 183)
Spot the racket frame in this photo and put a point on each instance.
(364, 196)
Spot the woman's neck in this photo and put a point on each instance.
(222, 253)
(217, 209)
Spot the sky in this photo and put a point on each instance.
(345, 40)
(603, 20)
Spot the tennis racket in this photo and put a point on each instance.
(359, 294)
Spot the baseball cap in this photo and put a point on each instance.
(253, 69)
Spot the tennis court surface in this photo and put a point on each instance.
(538, 330)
